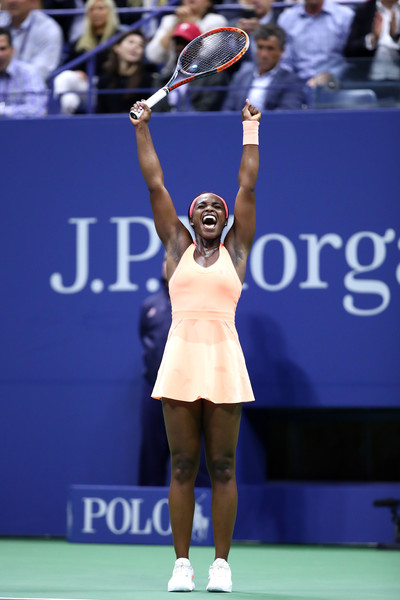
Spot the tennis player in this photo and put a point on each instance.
(203, 380)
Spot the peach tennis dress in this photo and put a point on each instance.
(203, 357)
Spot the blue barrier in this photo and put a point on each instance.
(270, 513)
(318, 319)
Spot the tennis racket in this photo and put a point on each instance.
(209, 53)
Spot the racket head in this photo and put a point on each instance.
(212, 52)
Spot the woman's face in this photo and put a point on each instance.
(131, 48)
(208, 217)
(98, 13)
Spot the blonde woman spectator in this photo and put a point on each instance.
(160, 50)
(101, 23)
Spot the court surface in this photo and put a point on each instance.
(41, 568)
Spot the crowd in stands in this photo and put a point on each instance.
(295, 50)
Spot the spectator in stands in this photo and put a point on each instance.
(256, 13)
(261, 13)
(101, 24)
(267, 84)
(125, 69)
(191, 96)
(22, 90)
(37, 39)
(316, 31)
(160, 50)
(374, 44)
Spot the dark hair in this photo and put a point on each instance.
(111, 66)
(264, 32)
(5, 31)
(126, 34)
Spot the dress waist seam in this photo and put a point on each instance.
(213, 315)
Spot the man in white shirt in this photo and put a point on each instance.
(37, 38)
(22, 91)
(317, 31)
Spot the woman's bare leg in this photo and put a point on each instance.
(221, 424)
(183, 422)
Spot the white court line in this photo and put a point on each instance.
(20, 598)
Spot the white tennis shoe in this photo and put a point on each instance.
(182, 576)
(220, 577)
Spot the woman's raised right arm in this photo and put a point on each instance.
(167, 224)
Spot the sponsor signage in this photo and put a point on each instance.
(131, 515)
(363, 254)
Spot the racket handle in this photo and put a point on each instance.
(152, 101)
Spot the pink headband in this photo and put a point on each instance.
(219, 197)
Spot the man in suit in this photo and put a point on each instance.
(267, 85)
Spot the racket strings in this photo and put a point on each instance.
(212, 51)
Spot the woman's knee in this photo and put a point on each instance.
(184, 467)
(222, 469)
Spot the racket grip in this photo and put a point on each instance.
(152, 101)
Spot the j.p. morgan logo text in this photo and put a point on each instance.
(357, 273)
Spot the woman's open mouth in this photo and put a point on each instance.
(209, 221)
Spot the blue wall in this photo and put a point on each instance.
(318, 322)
